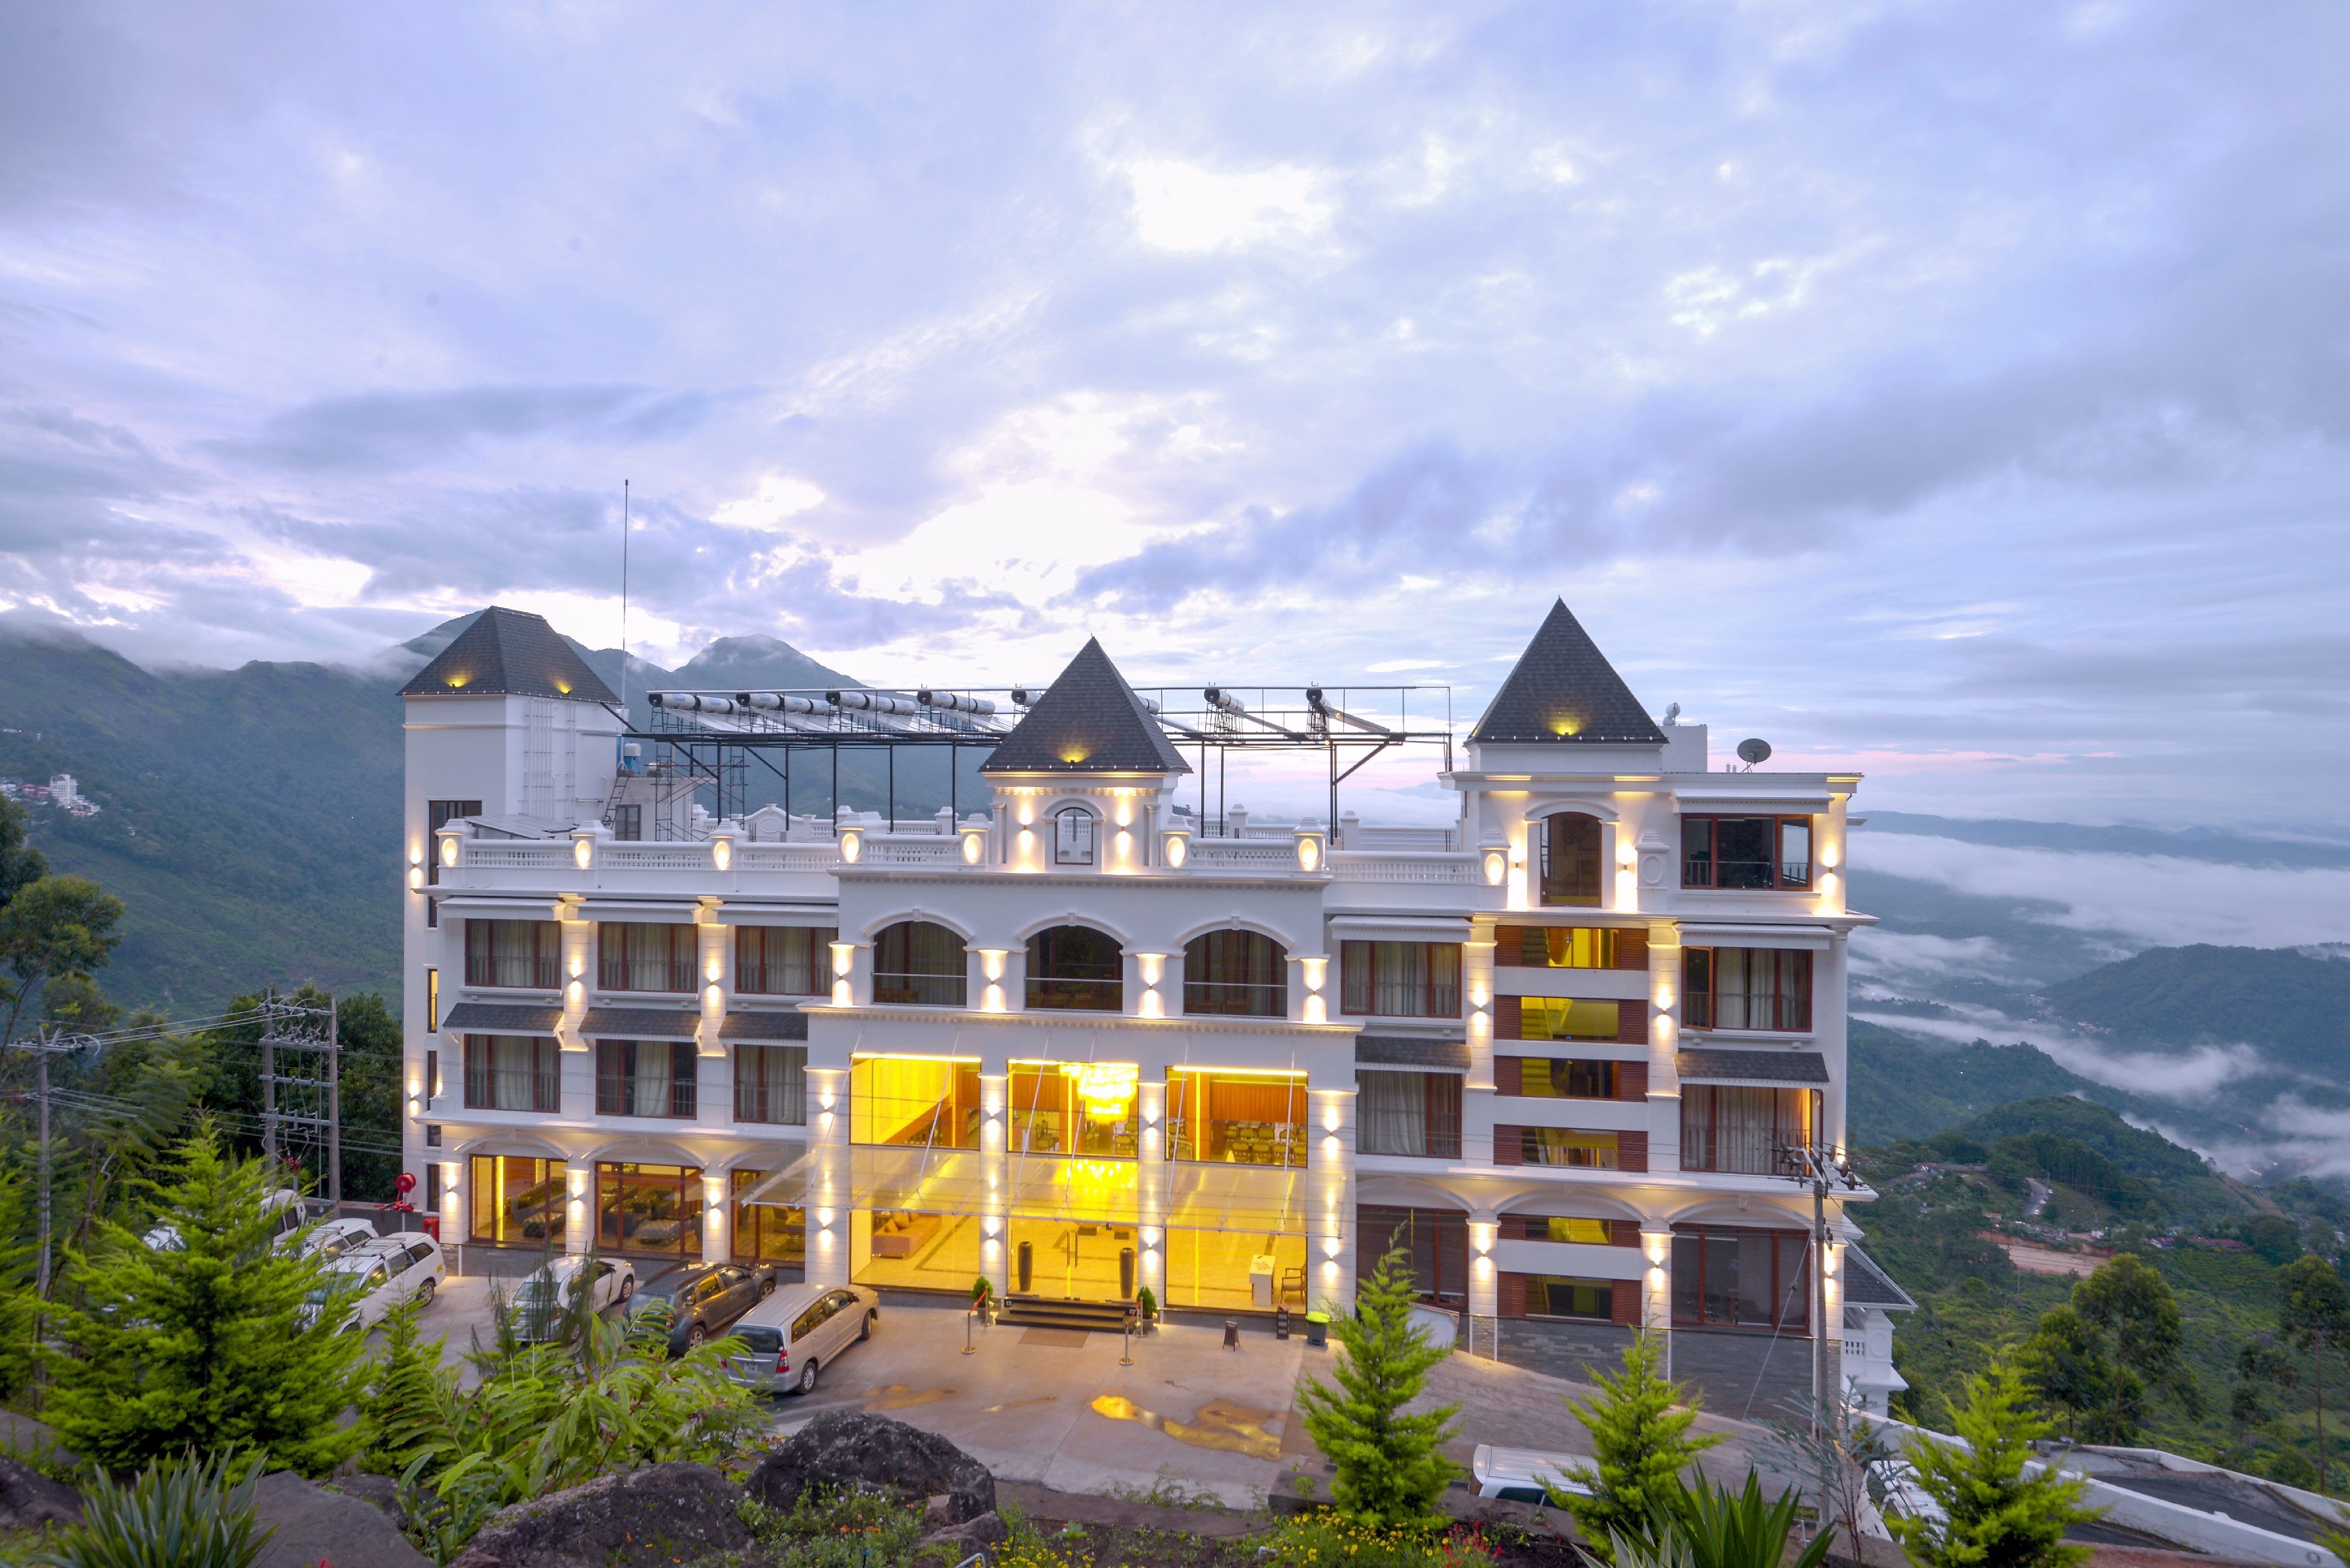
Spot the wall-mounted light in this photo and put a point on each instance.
(575, 995)
(825, 1099)
(991, 1227)
(1175, 847)
(721, 853)
(1518, 853)
(1497, 867)
(416, 878)
(1309, 852)
(974, 846)
(1656, 1246)
(852, 845)
(583, 852)
(449, 850)
(1331, 1247)
(1330, 1118)
(1124, 814)
(1027, 813)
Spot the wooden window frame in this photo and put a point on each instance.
(1777, 866)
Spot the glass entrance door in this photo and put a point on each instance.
(1073, 1261)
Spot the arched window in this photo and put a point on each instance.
(1236, 973)
(919, 963)
(1072, 836)
(1570, 860)
(1076, 967)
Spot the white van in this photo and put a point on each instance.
(1516, 1475)
(790, 1337)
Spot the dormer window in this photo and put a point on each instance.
(1072, 836)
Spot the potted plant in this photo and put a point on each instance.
(1149, 1305)
(982, 1298)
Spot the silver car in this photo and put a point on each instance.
(789, 1338)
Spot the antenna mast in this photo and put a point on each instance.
(624, 599)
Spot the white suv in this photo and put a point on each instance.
(375, 1277)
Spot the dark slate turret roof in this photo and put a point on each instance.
(1087, 722)
(1866, 1285)
(509, 653)
(1564, 689)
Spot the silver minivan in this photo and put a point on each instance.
(788, 1338)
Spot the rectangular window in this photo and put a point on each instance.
(1747, 987)
(1571, 872)
(1748, 1131)
(432, 1076)
(649, 1209)
(1742, 1279)
(1416, 1114)
(432, 1186)
(1553, 1296)
(637, 955)
(926, 1101)
(1570, 1147)
(1072, 836)
(513, 1072)
(783, 961)
(516, 1199)
(766, 1232)
(524, 954)
(1236, 1119)
(437, 815)
(771, 1083)
(645, 1078)
(1562, 1228)
(1568, 947)
(432, 1001)
(1564, 1078)
(629, 824)
(1746, 852)
(1400, 979)
(1074, 1107)
(1558, 1018)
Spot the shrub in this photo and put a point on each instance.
(1390, 1467)
(1640, 1437)
(1995, 1515)
(1322, 1540)
(179, 1513)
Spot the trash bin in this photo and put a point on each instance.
(1231, 1333)
(433, 1226)
(1317, 1329)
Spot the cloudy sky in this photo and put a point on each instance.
(1957, 390)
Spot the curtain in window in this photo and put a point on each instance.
(1393, 1108)
(1761, 988)
(771, 1083)
(649, 1083)
(509, 1073)
(637, 955)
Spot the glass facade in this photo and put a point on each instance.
(517, 1200)
(1740, 1279)
(766, 1232)
(649, 1209)
(922, 1100)
(1073, 1107)
(1240, 1118)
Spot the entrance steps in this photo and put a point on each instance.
(1050, 1311)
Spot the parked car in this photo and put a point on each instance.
(790, 1337)
(369, 1281)
(284, 1207)
(541, 1304)
(1517, 1475)
(330, 1239)
(702, 1300)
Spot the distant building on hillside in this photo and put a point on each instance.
(63, 791)
(1068, 1035)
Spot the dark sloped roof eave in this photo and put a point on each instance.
(1087, 722)
(509, 653)
(1562, 691)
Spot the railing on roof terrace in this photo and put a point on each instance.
(519, 855)
(1259, 855)
(919, 851)
(1403, 866)
(822, 855)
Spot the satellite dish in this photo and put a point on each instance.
(1672, 712)
(1753, 753)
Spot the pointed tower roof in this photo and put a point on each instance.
(1087, 722)
(1564, 689)
(509, 653)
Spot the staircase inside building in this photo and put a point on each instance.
(1050, 1311)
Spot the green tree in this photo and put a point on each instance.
(57, 925)
(2133, 1304)
(1995, 1516)
(2261, 1365)
(400, 1413)
(1640, 1426)
(73, 1003)
(2070, 1368)
(18, 1256)
(20, 862)
(201, 1346)
(1391, 1466)
(2314, 1317)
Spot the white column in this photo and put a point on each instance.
(716, 1226)
(829, 1192)
(1657, 1288)
(1828, 1025)
(994, 1240)
(1150, 1188)
(1484, 1306)
(1831, 1324)
(454, 1222)
(1330, 1186)
(579, 1205)
(578, 964)
(1664, 1043)
(1477, 986)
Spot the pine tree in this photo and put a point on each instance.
(2134, 1304)
(200, 1347)
(1997, 1517)
(1390, 1467)
(1640, 1426)
(405, 1405)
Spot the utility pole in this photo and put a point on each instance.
(41, 1053)
(335, 1103)
(1814, 1169)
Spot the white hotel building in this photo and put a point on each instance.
(1083, 1040)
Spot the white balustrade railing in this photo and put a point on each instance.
(654, 856)
(1261, 855)
(1403, 866)
(522, 855)
(821, 855)
(919, 850)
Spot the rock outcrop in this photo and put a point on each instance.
(644, 1519)
(312, 1525)
(29, 1500)
(851, 1449)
